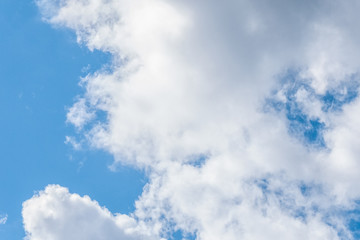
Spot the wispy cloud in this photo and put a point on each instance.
(3, 219)
(73, 142)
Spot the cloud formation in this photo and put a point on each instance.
(57, 214)
(3, 219)
(244, 113)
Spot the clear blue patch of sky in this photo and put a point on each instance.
(180, 235)
(335, 99)
(39, 73)
(306, 128)
(198, 160)
(353, 220)
(354, 226)
(350, 218)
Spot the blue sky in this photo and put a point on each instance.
(225, 120)
(40, 70)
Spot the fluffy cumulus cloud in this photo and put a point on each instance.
(56, 214)
(243, 113)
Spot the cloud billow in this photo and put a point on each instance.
(185, 98)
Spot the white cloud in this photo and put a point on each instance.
(57, 214)
(80, 114)
(189, 79)
(73, 142)
(3, 219)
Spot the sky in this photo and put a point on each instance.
(168, 119)
(40, 69)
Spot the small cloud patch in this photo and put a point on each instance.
(3, 219)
